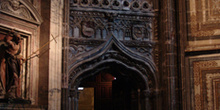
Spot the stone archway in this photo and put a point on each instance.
(114, 53)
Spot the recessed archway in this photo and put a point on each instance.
(123, 73)
(119, 61)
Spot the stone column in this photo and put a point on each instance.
(65, 103)
(55, 55)
(169, 54)
(145, 100)
(71, 101)
(76, 100)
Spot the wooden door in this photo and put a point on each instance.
(103, 93)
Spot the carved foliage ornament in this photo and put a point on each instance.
(15, 7)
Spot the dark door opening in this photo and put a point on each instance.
(109, 92)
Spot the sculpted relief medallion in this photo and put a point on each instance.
(138, 32)
(88, 28)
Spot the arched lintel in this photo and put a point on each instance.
(143, 61)
(87, 73)
(33, 11)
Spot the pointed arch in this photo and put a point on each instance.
(112, 51)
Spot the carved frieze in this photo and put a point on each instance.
(93, 28)
(125, 5)
(15, 7)
(87, 24)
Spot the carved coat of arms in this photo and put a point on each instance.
(88, 28)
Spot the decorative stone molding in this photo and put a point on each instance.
(211, 96)
(198, 83)
(112, 51)
(125, 5)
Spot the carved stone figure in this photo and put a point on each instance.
(15, 7)
(10, 66)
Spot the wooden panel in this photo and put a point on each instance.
(103, 99)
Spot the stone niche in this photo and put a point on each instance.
(24, 19)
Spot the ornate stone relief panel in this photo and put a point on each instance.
(115, 30)
(96, 25)
(22, 9)
(15, 7)
(94, 21)
(204, 83)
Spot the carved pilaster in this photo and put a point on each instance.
(66, 100)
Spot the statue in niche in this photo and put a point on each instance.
(10, 66)
(15, 7)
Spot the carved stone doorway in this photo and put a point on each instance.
(112, 88)
(115, 88)
(112, 36)
(129, 68)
